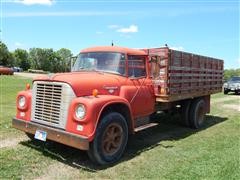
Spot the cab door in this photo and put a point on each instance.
(142, 98)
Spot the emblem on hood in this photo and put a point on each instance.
(110, 89)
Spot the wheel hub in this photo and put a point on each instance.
(112, 139)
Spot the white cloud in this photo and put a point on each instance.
(178, 48)
(130, 29)
(33, 2)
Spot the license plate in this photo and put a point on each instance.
(40, 135)
(232, 89)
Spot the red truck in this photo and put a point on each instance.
(112, 92)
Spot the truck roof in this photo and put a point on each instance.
(114, 49)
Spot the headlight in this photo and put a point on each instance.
(80, 111)
(21, 101)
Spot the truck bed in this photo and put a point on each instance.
(180, 75)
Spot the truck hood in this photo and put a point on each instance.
(83, 83)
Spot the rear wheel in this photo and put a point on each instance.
(110, 140)
(197, 113)
(185, 106)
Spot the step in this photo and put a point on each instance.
(140, 128)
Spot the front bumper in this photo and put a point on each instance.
(233, 89)
(53, 134)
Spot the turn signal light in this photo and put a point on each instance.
(27, 86)
(163, 91)
(95, 92)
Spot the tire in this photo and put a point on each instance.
(225, 91)
(153, 117)
(197, 113)
(105, 149)
(237, 92)
(185, 107)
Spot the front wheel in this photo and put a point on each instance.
(225, 91)
(110, 140)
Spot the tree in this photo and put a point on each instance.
(22, 59)
(64, 56)
(11, 60)
(34, 57)
(4, 54)
(47, 59)
(228, 73)
(41, 58)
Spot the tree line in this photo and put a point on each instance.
(53, 61)
(228, 73)
(45, 59)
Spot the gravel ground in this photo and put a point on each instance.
(27, 75)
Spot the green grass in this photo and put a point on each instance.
(168, 151)
(9, 86)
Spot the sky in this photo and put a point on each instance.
(206, 27)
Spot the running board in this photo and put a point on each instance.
(140, 128)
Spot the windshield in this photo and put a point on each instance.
(235, 79)
(109, 62)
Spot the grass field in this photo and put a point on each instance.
(167, 151)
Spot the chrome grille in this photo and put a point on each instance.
(50, 103)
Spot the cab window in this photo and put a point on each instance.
(136, 66)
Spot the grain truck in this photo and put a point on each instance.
(112, 92)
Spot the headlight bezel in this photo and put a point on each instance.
(80, 112)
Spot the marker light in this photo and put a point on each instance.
(95, 92)
(27, 86)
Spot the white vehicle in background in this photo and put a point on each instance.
(232, 85)
(17, 69)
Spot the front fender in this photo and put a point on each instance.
(94, 107)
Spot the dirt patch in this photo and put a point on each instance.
(58, 170)
(28, 75)
(12, 142)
